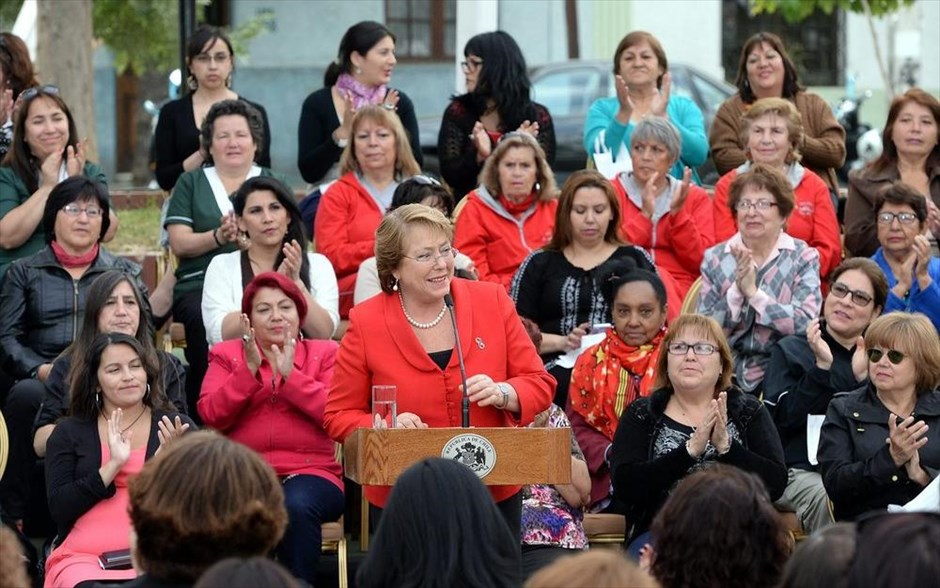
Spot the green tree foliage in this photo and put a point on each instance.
(797, 10)
(143, 34)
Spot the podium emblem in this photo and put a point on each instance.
(473, 451)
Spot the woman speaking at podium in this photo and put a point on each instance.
(406, 337)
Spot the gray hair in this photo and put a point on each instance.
(658, 130)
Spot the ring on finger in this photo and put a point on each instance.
(245, 338)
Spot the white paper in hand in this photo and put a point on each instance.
(813, 425)
(927, 501)
(567, 360)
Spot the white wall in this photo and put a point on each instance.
(539, 28)
(689, 30)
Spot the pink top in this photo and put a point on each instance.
(106, 527)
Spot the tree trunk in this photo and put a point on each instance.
(63, 58)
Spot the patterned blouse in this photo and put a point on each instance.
(787, 299)
(674, 434)
(547, 519)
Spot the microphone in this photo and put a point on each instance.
(465, 403)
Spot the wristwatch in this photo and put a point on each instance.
(504, 389)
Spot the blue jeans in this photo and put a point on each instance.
(310, 501)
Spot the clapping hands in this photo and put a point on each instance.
(713, 427)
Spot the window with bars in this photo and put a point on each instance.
(816, 45)
(426, 29)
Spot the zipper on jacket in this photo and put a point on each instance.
(74, 309)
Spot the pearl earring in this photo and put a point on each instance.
(395, 285)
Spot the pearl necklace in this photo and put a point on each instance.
(415, 323)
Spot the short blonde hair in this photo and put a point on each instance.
(700, 325)
(544, 178)
(390, 237)
(405, 163)
(917, 338)
(785, 110)
(598, 568)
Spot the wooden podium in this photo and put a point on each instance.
(498, 455)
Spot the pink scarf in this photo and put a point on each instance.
(362, 95)
(69, 260)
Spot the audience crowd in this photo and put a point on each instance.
(751, 386)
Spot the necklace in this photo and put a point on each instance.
(134, 422)
(415, 323)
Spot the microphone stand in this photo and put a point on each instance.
(465, 402)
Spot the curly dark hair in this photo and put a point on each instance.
(718, 529)
(233, 108)
(205, 498)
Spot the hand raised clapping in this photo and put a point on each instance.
(293, 257)
(252, 353)
(745, 274)
(169, 430)
(119, 442)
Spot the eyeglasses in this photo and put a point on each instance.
(30, 93)
(905, 218)
(205, 58)
(471, 65)
(894, 356)
(682, 348)
(426, 258)
(858, 297)
(75, 210)
(762, 204)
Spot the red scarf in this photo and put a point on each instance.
(69, 261)
(608, 377)
(516, 208)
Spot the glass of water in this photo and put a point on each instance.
(384, 407)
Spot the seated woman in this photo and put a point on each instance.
(403, 337)
(358, 77)
(904, 256)
(376, 159)
(861, 471)
(511, 213)
(805, 371)
(268, 217)
(552, 515)
(765, 70)
(643, 86)
(114, 305)
(425, 539)
(557, 286)
(42, 303)
(118, 418)
(268, 390)
(45, 150)
(611, 375)
(762, 284)
(237, 495)
(694, 418)
(911, 155)
(772, 134)
(415, 190)
(498, 101)
(201, 223)
(670, 218)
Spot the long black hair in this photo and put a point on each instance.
(295, 227)
(440, 528)
(361, 37)
(503, 78)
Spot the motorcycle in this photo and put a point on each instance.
(862, 141)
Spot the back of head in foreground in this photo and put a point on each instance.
(441, 528)
(822, 560)
(599, 568)
(253, 572)
(893, 550)
(718, 529)
(205, 498)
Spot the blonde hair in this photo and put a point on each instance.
(698, 324)
(405, 163)
(390, 237)
(785, 110)
(598, 568)
(544, 178)
(917, 339)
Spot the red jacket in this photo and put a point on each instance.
(677, 241)
(345, 232)
(813, 219)
(380, 347)
(496, 241)
(283, 423)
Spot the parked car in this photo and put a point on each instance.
(569, 88)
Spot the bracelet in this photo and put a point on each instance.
(215, 237)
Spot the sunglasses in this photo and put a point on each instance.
(30, 93)
(894, 356)
(840, 290)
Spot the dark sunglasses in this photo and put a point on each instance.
(860, 298)
(894, 356)
(30, 93)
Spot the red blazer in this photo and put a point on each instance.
(678, 241)
(283, 423)
(497, 244)
(380, 347)
(344, 231)
(813, 219)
